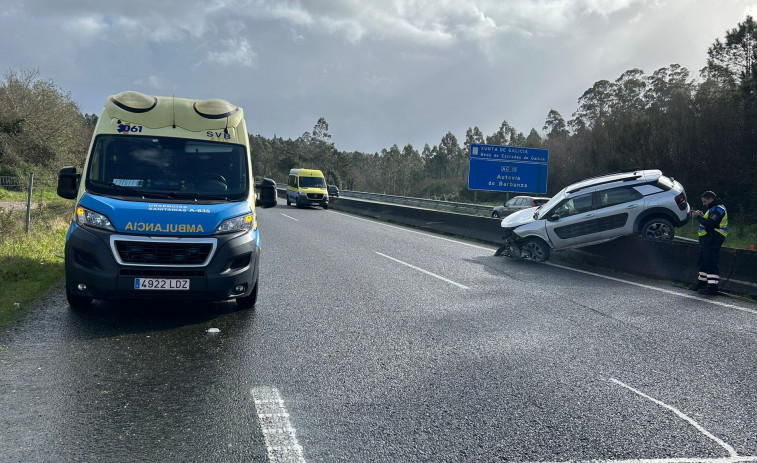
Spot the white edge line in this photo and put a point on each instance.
(667, 291)
(424, 271)
(288, 217)
(731, 451)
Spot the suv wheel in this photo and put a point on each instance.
(535, 250)
(495, 215)
(658, 229)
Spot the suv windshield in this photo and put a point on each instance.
(312, 182)
(547, 206)
(164, 167)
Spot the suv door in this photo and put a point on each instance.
(573, 221)
(617, 209)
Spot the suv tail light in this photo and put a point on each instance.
(681, 201)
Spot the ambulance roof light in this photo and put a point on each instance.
(134, 102)
(215, 109)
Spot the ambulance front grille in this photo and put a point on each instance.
(163, 253)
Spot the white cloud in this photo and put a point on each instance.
(292, 13)
(154, 82)
(237, 52)
(87, 26)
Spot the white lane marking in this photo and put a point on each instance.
(296, 220)
(667, 291)
(424, 271)
(280, 437)
(731, 451)
(689, 296)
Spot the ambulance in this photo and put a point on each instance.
(165, 205)
(307, 187)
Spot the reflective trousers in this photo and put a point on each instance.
(709, 257)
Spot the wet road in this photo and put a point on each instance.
(371, 342)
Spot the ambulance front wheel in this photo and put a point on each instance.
(248, 302)
(77, 302)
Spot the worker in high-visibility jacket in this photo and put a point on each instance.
(713, 228)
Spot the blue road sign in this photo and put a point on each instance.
(508, 169)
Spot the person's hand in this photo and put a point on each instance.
(696, 213)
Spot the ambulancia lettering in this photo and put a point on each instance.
(165, 228)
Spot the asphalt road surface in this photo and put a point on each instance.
(377, 343)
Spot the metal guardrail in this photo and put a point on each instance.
(464, 208)
(449, 206)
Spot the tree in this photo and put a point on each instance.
(41, 128)
(630, 88)
(533, 140)
(732, 62)
(555, 126)
(595, 103)
(321, 130)
(506, 136)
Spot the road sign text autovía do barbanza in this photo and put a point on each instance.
(508, 169)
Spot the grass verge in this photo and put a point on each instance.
(31, 263)
(738, 237)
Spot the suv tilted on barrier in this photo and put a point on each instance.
(595, 210)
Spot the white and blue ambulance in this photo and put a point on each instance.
(165, 205)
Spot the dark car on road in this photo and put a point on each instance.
(333, 191)
(517, 203)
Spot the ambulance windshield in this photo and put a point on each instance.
(312, 182)
(171, 168)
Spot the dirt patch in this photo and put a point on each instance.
(9, 206)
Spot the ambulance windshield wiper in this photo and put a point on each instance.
(140, 193)
(196, 196)
(117, 186)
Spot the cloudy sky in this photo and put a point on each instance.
(382, 72)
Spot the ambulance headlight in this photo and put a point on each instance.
(237, 224)
(90, 218)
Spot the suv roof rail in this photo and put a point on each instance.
(614, 177)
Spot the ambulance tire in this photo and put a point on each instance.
(325, 205)
(77, 302)
(248, 302)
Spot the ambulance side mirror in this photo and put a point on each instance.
(68, 182)
(265, 196)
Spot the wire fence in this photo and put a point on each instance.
(24, 194)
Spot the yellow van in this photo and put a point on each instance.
(307, 187)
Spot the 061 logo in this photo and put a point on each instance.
(128, 128)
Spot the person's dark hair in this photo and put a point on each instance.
(709, 195)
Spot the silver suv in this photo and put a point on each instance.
(595, 210)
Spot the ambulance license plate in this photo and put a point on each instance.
(161, 283)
